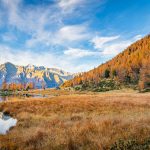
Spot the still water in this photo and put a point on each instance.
(6, 122)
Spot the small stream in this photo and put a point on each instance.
(6, 122)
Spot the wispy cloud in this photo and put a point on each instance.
(115, 48)
(12, 11)
(112, 45)
(78, 53)
(72, 33)
(69, 4)
(64, 36)
(30, 20)
(100, 41)
(138, 37)
(47, 59)
(46, 28)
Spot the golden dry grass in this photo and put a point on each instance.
(52, 92)
(77, 121)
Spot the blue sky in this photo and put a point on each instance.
(74, 35)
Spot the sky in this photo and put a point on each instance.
(73, 35)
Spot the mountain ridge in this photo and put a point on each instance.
(51, 77)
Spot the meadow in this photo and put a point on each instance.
(68, 120)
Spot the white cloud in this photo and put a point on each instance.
(138, 37)
(100, 41)
(72, 33)
(12, 12)
(115, 48)
(45, 28)
(25, 57)
(64, 36)
(47, 59)
(33, 22)
(109, 45)
(69, 4)
(78, 53)
(41, 36)
(30, 20)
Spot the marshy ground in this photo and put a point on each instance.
(68, 120)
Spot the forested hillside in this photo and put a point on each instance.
(131, 67)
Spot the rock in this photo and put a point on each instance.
(1, 115)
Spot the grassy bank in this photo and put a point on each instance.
(78, 121)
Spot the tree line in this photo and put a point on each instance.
(17, 86)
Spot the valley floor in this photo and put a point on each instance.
(71, 121)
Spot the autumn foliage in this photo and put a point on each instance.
(129, 67)
(15, 86)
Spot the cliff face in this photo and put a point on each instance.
(51, 77)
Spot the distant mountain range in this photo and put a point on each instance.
(130, 67)
(51, 77)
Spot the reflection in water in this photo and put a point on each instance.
(6, 122)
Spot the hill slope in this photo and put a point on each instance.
(51, 77)
(132, 66)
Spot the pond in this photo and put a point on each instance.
(6, 122)
(25, 96)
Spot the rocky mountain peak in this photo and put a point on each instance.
(52, 77)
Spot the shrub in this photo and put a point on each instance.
(131, 145)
